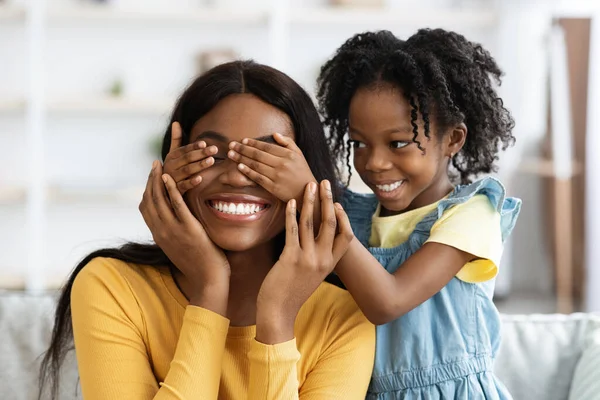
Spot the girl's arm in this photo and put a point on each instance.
(112, 357)
(463, 233)
(382, 296)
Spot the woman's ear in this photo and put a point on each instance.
(455, 140)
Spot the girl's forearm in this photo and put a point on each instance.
(384, 297)
(373, 288)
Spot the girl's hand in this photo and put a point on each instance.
(303, 265)
(184, 164)
(281, 169)
(183, 239)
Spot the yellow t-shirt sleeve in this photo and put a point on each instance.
(472, 227)
(112, 357)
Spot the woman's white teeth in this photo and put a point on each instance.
(389, 188)
(236, 208)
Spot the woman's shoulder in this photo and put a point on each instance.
(330, 302)
(115, 275)
(331, 323)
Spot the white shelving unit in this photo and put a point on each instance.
(53, 33)
(100, 105)
(11, 13)
(203, 15)
(110, 106)
(128, 196)
(12, 195)
(12, 106)
(415, 18)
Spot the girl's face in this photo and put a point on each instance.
(237, 213)
(402, 176)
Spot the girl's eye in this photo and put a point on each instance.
(218, 158)
(396, 144)
(356, 144)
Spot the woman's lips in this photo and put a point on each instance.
(235, 207)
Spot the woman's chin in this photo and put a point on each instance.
(235, 245)
(239, 243)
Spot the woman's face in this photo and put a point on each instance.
(237, 213)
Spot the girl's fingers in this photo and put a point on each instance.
(255, 165)
(344, 233)
(189, 184)
(306, 229)
(189, 170)
(262, 152)
(260, 179)
(287, 142)
(291, 225)
(328, 226)
(181, 210)
(190, 156)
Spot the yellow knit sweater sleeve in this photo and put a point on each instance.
(343, 362)
(109, 333)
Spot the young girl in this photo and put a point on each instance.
(421, 114)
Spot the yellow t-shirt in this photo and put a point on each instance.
(473, 227)
(136, 337)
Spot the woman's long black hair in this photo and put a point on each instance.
(266, 83)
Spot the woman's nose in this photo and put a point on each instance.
(232, 176)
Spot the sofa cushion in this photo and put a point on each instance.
(586, 381)
(539, 353)
(539, 357)
(25, 328)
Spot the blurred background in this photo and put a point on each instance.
(86, 89)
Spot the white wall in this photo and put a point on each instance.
(105, 152)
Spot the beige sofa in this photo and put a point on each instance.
(545, 357)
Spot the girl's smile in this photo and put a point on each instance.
(405, 172)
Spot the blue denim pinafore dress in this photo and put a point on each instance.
(444, 348)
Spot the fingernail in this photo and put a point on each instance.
(339, 206)
(164, 178)
(241, 167)
(154, 164)
(312, 187)
(327, 185)
(197, 180)
(245, 141)
(202, 145)
(292, 204)
(231, 154)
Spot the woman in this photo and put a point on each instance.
(220, 308)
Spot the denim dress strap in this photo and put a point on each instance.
(508, 207)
